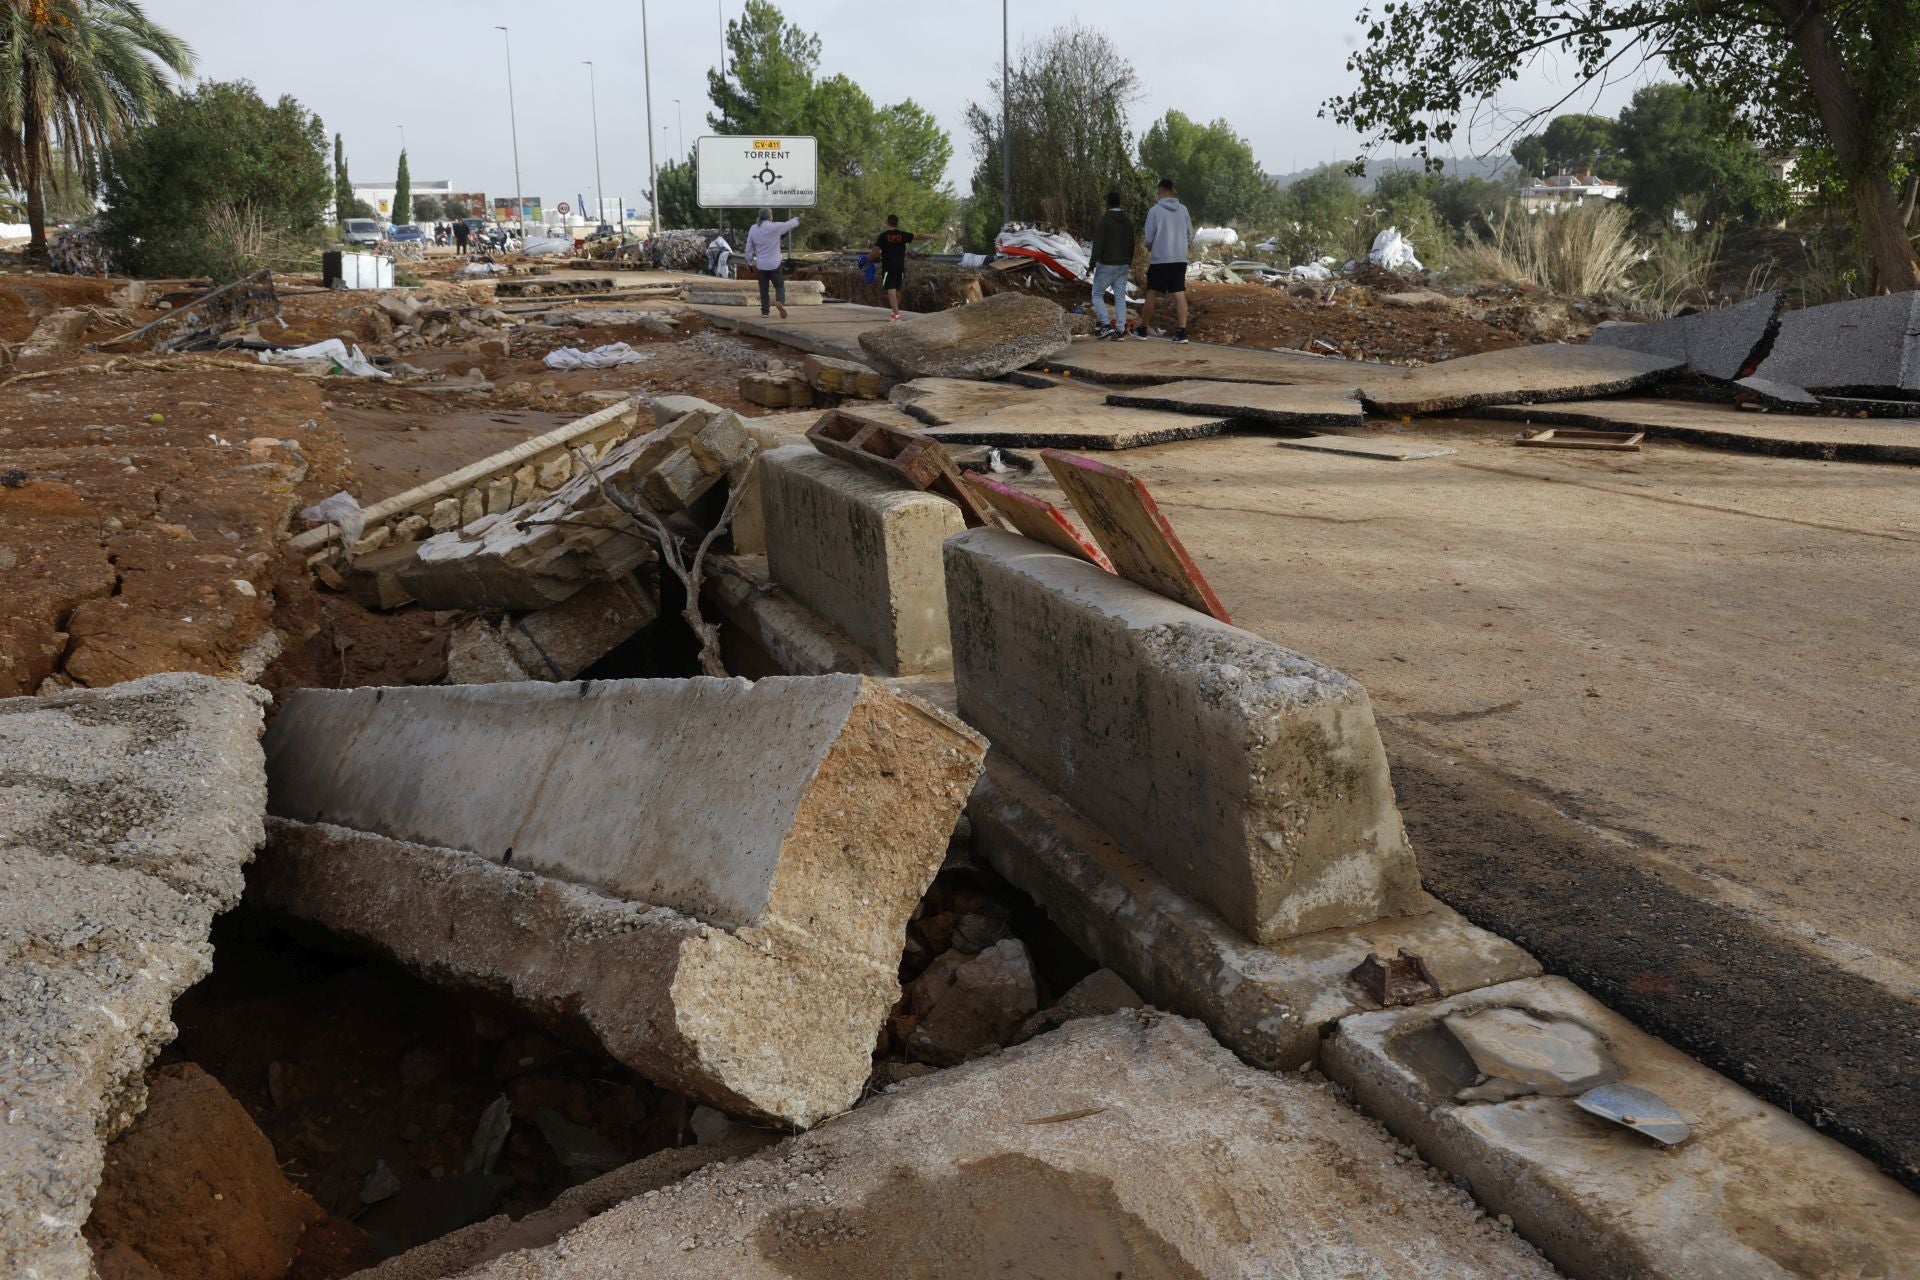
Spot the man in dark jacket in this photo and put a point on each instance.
(1112, 259)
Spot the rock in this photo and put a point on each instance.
(380, 1184)
(194, 1187)
(975, 931)
(978, 340)
(888, 1074)
(1099, 993)
(709, 1126)
(985, 1000)
(490, 1135)
(1417, 298)
(584, 1152)
(476, 654)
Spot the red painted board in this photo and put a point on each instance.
(1124, 519)
(1038, 519)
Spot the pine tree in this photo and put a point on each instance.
(403, 194)
(342, 184)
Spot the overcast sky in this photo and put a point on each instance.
(439, 68)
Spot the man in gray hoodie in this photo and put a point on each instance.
(1168, 232)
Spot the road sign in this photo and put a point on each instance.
(746, 173)
(563, 208)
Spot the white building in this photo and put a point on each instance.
(1568, 190)
(379, 195)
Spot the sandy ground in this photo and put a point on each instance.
(1651, 715)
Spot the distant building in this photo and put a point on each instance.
(1568, 190)
(379, 195)
(1782, 169)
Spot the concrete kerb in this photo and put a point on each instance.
(1252, 778)
(126, 816)
(863, 554)
(1751, 1193)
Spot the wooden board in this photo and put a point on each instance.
(1038, 519)
(1388, 448)
(897, 456)
(1126, 522)
(1574, 438)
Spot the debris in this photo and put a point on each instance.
(1126, 522)
(380, 1184)
(1575, 438)
(972, 1004)
(984, 339)
(1861, 347)
(1392, 251)
(1519, 1052)
(844, 378)
(1095, 996)
(1038, 519)
(899, 457)
(777, 389)
(1638, 1109)
(607, 357)
(709, 1126)
(584, 1152)
(490, 1135)
(333, 356)
(342, 511)
(1395, 977)
(1721, 342)
(1286, 405)
(245, 302)
(1517, 375)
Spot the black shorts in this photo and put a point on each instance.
(1167, 277)
(890, 277)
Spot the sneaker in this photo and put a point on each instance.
(781, 307)
(1139, 332)
(1179, 335)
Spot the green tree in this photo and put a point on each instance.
(1322, 214)
(1582, 144)
(1530, 153)
(1832, 76)
(1461, 204)
(453, 210)
(675, 204)
(1211, 166)
(342, 184)
(874, 160)
(428, 209)
(402, 193)
(78, 75)
(1680, 152)
(1067, 118)
(219, 147)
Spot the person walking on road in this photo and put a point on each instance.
(1169, 231)
(764, 256)
(891, 245)
(462, 236)
(1112, 260)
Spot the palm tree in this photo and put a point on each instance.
(75, 74)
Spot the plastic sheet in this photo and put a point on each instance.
(607, 357)
(1393, 251)
(334, 353)
(342, 510)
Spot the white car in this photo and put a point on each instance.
(363, 231)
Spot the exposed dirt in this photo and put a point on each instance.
(1253, 315)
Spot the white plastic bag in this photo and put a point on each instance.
(342, 511)
(607, 357)
(1311, 271)
(1393, 251)
(335, 354)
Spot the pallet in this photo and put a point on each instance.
(899, 457)
(1576, 438)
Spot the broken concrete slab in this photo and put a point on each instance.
(855, 789)
(1074, 419)
(1386, 448)
(711, 291)
(1271, 1004)
(766, 632)
(560, 642)
(761, 1022)
(1753, 1191)
(777, 389)
(1515, 375)
(477, 654)
(940, 402)
(844, 378)
(1726, 427)
(1718, 343)
(1147, 363)
(1251, 777)
(543, 552)
(126, 815)
(1308, 405)
(976, 340)
(862, 553)
(1130, 1145)
(1861, 347)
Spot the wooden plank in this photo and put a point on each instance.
(900, 457)
(1038, 519)
(1126, 522)
(1574, 438)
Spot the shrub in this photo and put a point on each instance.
(1585, 250)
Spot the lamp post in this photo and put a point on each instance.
(653, 174)
(1006, 136)
(720, 15)
(599, 191)
(513, 123)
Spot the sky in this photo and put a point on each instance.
(438, 69)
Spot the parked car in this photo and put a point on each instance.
(363, 231)
(410, 233)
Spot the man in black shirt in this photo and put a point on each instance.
(891, 245)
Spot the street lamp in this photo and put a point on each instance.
(599, 191)
(653, 174)
(1006, 137)
(513, 122)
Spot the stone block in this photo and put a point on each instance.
(782, 390)
(1751, 1192)
(977, 340)
(499, 495)
(854, 789)
(844, 377)
(863, 554)
(667, 409)
(445, 515)
(476, 654)
(374, 540)
(1271, 1004)
(1250, 777)
(554, 472)
(126, 817)
(526, 485)
(473, 505)
(559, 642)
(1717, 343)
(1864, 346)
(410, 528)
(1130, 1145)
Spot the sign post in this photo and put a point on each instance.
(748, 172)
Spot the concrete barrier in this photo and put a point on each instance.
(861, 553)
(1250, 777)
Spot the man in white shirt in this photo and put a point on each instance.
(764, 256)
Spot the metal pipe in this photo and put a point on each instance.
(599, 190)
(513, 121)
